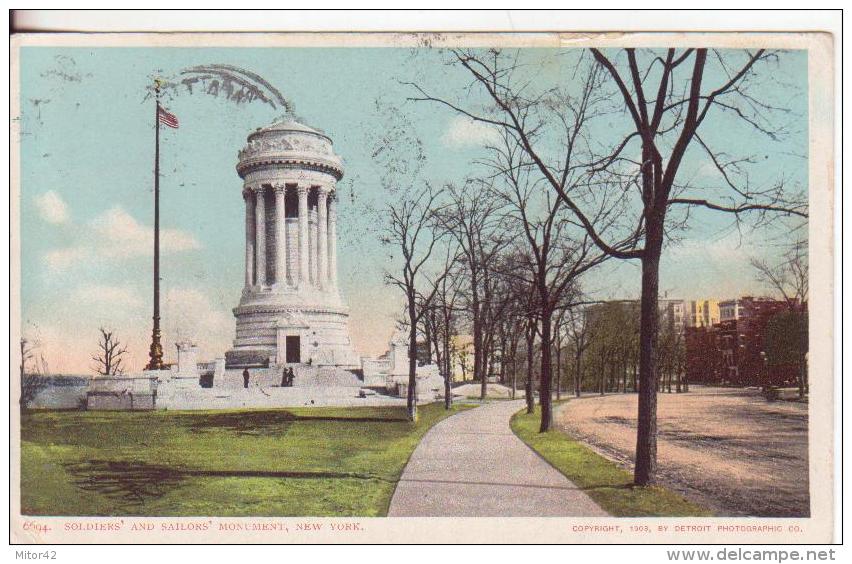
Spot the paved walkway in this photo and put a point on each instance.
(472, 465)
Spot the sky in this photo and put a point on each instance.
(86, 189)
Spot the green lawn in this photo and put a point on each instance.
(604, 481)
(287, 462)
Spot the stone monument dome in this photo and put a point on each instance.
(290, 311)
(289, 143)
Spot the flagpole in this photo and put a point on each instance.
(156, 352)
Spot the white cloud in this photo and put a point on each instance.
(711, 268)
(51, 207)
(189, 314)
(464, 131)
(729, 249)
(62, 259)
(109, 296)
(115, 234)
(121, 235)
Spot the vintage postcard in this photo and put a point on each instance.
(422, 288)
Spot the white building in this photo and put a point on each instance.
(729, 310)
(672, 314)
(291, 311)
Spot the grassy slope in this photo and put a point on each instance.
(605, 482)
(304, 461)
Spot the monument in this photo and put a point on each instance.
(291, 311)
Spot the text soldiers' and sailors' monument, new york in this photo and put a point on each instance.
(291, 310)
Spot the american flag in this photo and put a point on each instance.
(167, 118)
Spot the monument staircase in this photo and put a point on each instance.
(326, 377)
(312, 386)
(304, 376)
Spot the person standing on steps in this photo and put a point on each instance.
(245, 377)
(284, 374)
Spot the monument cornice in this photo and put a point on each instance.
(332, 167)
(310, 309)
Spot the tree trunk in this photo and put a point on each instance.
(448, 396)
(545, 389)
(646, 436)
(619, 377)
(514, 366)
(427, 333)
(558, 370)
(503, 359)
(436, 339)
(478, 353)
(514, 376)
(488, 358)
(411, 401)
(23, 400)
(578, 375)
(529, 384)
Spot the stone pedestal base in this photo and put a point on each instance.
(277, 328)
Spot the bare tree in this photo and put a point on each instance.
(511, 328)
(666, 125)
(472, 219)
(412, 233)
(530, 332)
(672, 355)
(33, 371)
(577, 325)
(666, 100)
(109, 360)
(441, 316)
(788, 277)
(559, 321)
(521, 315)
(557, 252)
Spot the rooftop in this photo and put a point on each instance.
(288, 123)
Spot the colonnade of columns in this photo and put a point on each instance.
(318, 269)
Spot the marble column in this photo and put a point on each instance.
(322, 237)
(304, 276)
(313, 254)
(248, 197)
(332, 240)
(280, 236)
(260, 236)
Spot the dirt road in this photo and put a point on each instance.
(728, 449)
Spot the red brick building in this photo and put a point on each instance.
(729, 352)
